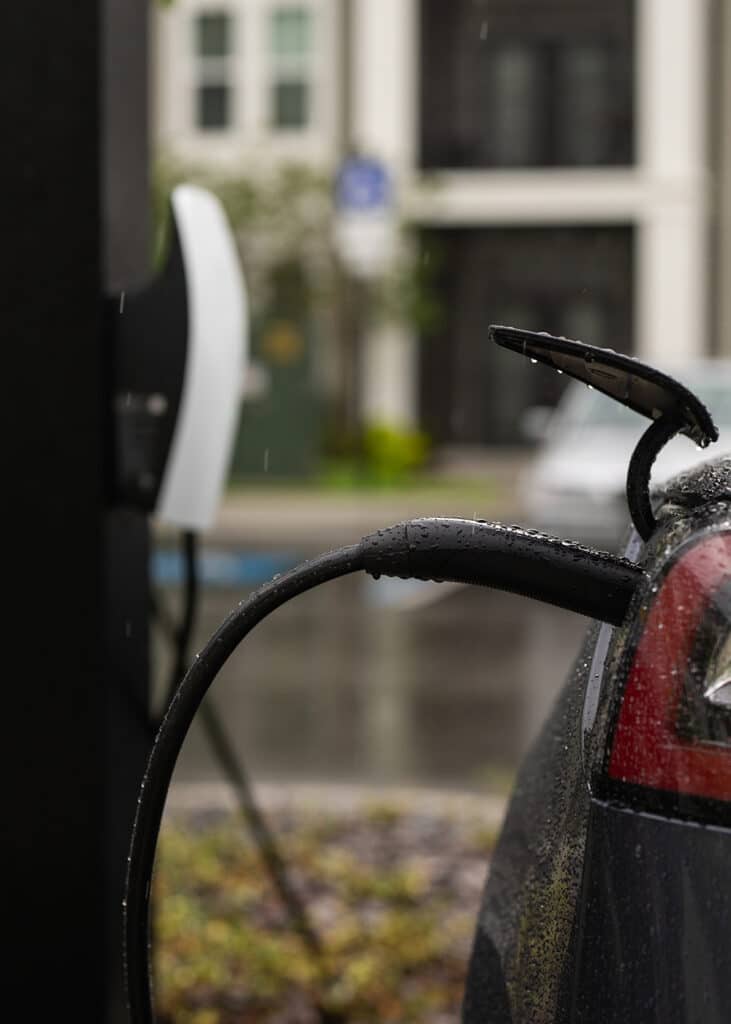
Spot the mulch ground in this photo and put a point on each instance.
(391, 886)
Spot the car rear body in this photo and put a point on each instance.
(609, 896)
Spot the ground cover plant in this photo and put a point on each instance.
(393, 892)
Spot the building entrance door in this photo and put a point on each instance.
(575, 282)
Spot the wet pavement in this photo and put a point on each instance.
(384, 683)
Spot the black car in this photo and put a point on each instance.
(609, 895)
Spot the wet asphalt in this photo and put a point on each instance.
(377, 683)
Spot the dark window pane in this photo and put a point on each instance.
(291, 100)
(585, 319)
(584, 100)
(213, 34)
(213, 106)
(515, 95)
(512, 83)
(565, 280)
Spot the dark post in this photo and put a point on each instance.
(125, 192)
(73, 738)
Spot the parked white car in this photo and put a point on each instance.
(575, 485)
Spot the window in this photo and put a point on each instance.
(213, 48)
(291, 55)
(513, 82)
(290, 104)
(291, 31)
(521, 83)
(575, 281)
(213, 35)
(213, 106)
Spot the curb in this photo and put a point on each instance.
(487, 809)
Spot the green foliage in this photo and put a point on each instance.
(382, 456)
(284, 224)
(409, 294)
(287, 217)
(392, 454)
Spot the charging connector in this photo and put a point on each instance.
(559, 572)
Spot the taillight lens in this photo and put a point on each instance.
(673, 730)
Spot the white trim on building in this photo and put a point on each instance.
(723, 236)
(672, 266)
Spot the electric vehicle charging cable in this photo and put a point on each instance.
(179, 636)
(592, 583)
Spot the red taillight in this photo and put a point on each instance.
(654, 745)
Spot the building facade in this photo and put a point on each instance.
(558, 157)
(247, 84)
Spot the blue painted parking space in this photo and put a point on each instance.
(223, 568)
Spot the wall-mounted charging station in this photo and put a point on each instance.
(180, 350)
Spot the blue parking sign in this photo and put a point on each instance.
(362, 185)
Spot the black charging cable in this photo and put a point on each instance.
(273, 860)
(184, 632)
(639, 469)
(596, 584)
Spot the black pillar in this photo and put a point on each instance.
(125, 197)
(71, 732)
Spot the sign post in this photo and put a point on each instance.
(365, 225)
(365, 239)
